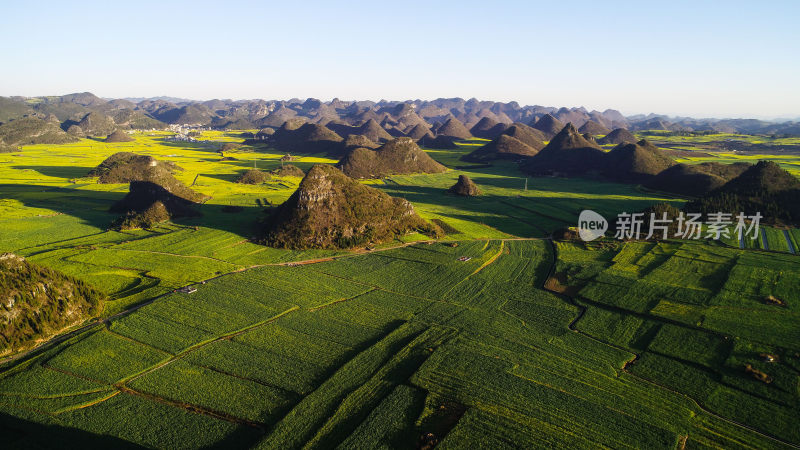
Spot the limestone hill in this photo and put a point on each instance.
(374, 132)
(694, 180)
(419, 131)
(593, 128)
(355, 141)
(548, 125)
(97, 124)
(76, 131)
(37, 302)
(764, 188)
(636, 162)
(487, 128)
(528, 135)
(148, 203)
(253, 176)
(405, 115)
(398, 156)
(124, 167)
(288, 170)
(331, 210)
(465, 187)
(766, 177)
(568, 153)
(278, 117)
(618, 136)
(453, 128)
(503, 147)
(11, 109)
(307, 138)
(119, 136)
(33, 130)
(439, 142)
(341, 128)
(369, 129)
(137, 120)
(516, 142)
(195, 114)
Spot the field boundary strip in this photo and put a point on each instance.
(202, 344)
(624, 369)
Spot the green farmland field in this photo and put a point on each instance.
(494, 336)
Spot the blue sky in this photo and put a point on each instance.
(697, 58)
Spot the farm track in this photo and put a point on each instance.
(122, 387)
(489, 261)
(193, 408)
(200, 345)
(582, 310)
(178, 255)
(123, 384)
(317, 308)
(5, 363)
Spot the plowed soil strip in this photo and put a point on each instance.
(196, 409)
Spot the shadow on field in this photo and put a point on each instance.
(242, 437)
(92, 207)
(19, 433)
(579, 186)
(541, 214)
(58, 171)
(229, 177)
(208, 147)
(490, 210)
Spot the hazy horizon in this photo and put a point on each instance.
(681, 59)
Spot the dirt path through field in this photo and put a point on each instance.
(5, 363)
(582, 310)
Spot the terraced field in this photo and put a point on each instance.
(385, 347)
(489, 338)
(716, 324)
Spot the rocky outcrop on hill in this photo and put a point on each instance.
(398, 156)
(465, 187)
(331, 210)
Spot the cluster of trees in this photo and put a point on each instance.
(37, 302)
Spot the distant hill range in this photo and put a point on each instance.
(452, 117)
(714, 187)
